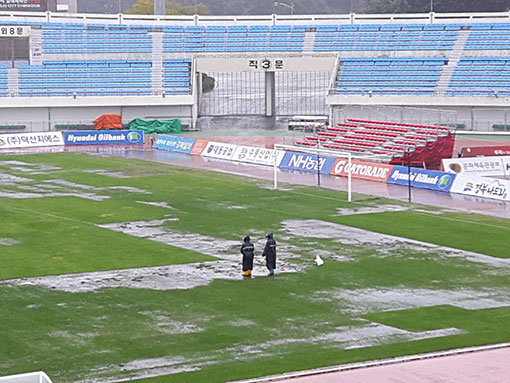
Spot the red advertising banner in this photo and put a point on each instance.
(364, 170)
(485, 151)
(199, 147)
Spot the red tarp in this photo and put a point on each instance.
(108, 121)
(431, 154)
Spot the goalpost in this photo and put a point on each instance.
(318, 152)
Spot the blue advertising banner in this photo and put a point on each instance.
(307, 162)
(421, 178)
(94, 137)
(174, 144)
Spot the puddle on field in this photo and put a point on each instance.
(348, 337)
(9, 242)
(367, 300)
(29, 168)
(372, 209)
(167, 325)
(108, 173)
(164, 205)
(172, 277)
(228, 265)
(382, 243)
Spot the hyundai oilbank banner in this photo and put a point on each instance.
(94, 137)
(174, 144)
(306, 162)
(260, 156)
(485, 187)
(364, 170)
(26, 140)
(219, 150)
(482, 166)
(421, 178)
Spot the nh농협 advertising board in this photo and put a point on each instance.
(421, 178)
(93, 137)
(174, 144)
(307, 162)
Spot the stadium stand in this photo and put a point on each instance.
(3, 81)
(176, 76)
(367, 76)
(393, 142)
(86, 78)
(487, 76)
(392, 37)
(94, 38)
(430, 47)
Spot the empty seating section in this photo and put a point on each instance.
(396, 76)
(86, 78)
(481, 76)
(488, 36)
(3, 81)
(176, 76)
(382, 138)
(234, 38)
(60, 38)
(414, 75)
(385, 37)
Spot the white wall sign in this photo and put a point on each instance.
(14, 31)
(26, 140)
(482, 166)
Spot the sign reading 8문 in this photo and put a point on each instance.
(14, 31)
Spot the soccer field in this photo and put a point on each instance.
(115, 270)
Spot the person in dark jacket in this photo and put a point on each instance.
(270, 254)
(247, 250)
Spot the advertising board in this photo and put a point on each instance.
(219, 150)
(174, 144)
(256, 155)
(94, 137)
(363, 170)
(26, 140)
(199, 147)
(307, 162)
(421, 178)
(482, 166)
(502, 150)
(24, 5)
(484, 187)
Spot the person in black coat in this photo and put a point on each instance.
(270, 254)
(247, 250)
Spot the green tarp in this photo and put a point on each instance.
(156, 126)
